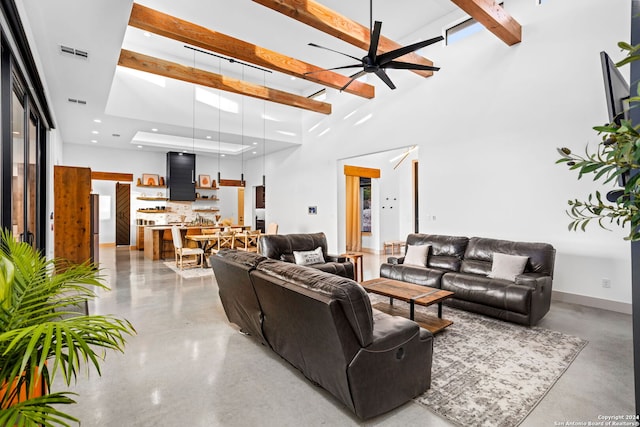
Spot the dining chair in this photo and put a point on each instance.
(182, 251)
(225, 240)
(272, 228)
(252, 240)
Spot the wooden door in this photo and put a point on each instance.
(240, 205)
(72, 213)
(123, 214)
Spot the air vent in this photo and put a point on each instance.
(77, 101)
(67, 50)
(117, 135)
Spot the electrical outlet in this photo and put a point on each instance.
(606, 283)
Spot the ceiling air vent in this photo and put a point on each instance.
(67, 50)
(77, 101)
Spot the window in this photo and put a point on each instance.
(463, 29)
(365, 204)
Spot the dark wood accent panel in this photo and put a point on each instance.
(123, 214)
(175, 28)
(260, 197)
(112, 176)
(231, 183)
(72, 213)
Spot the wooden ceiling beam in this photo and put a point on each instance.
(174, 28)
(328, 21)
(173, 70)
(494, 18)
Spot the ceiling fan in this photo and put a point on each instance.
(377, 64)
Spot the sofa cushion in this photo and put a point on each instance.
(274, 246)
(497, 293)
(413, 274)
(507, 267)
(417, 255)
(479, 254)
(446, 251)
(309, 257)
(352, 297)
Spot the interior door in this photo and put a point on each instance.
(123, 214)
(240, 205)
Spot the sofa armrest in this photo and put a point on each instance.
(533, 280)
(393, 369)
(395, 260)
(390, 332)
(334, 258)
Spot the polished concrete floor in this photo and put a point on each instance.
(187, 366)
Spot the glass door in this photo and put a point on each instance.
(18, 175)
(31, 183)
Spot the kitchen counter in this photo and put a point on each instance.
(158, 245)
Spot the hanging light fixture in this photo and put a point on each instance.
(242, 138)
(219, 124)
(264, 131)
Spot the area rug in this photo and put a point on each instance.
(487, 372)
(190, 272)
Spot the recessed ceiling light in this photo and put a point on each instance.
(284, 132)
(95, 132)
(223, 155)
(208, 136)
(16, 133)
(184, 151)
(139, 146)
(94, 141)
(97, 120)
(154, 129)
(255, 143)
(255, 152)
(293, 78)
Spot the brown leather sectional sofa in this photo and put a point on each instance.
(461, 265)
(282, 246)
(324, 325)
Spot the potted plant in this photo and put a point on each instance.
(617, 154)
(43, 332)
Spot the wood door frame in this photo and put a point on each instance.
(240, 205)
(359, 172)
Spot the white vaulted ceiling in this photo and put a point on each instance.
(127, 102)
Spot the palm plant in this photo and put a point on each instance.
(43, 333)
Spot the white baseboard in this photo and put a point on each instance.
(620, 307)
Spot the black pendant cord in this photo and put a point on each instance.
(370, 17)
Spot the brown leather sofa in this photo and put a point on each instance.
(324, 325)
(282, 246)
(461, 265)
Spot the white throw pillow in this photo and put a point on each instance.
(309, 257)
(417, 255)
(507, 267)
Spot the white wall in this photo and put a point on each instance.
(487, 126)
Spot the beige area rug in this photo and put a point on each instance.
(486, 372)
(190, 272)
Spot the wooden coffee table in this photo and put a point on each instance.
(413, 294)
